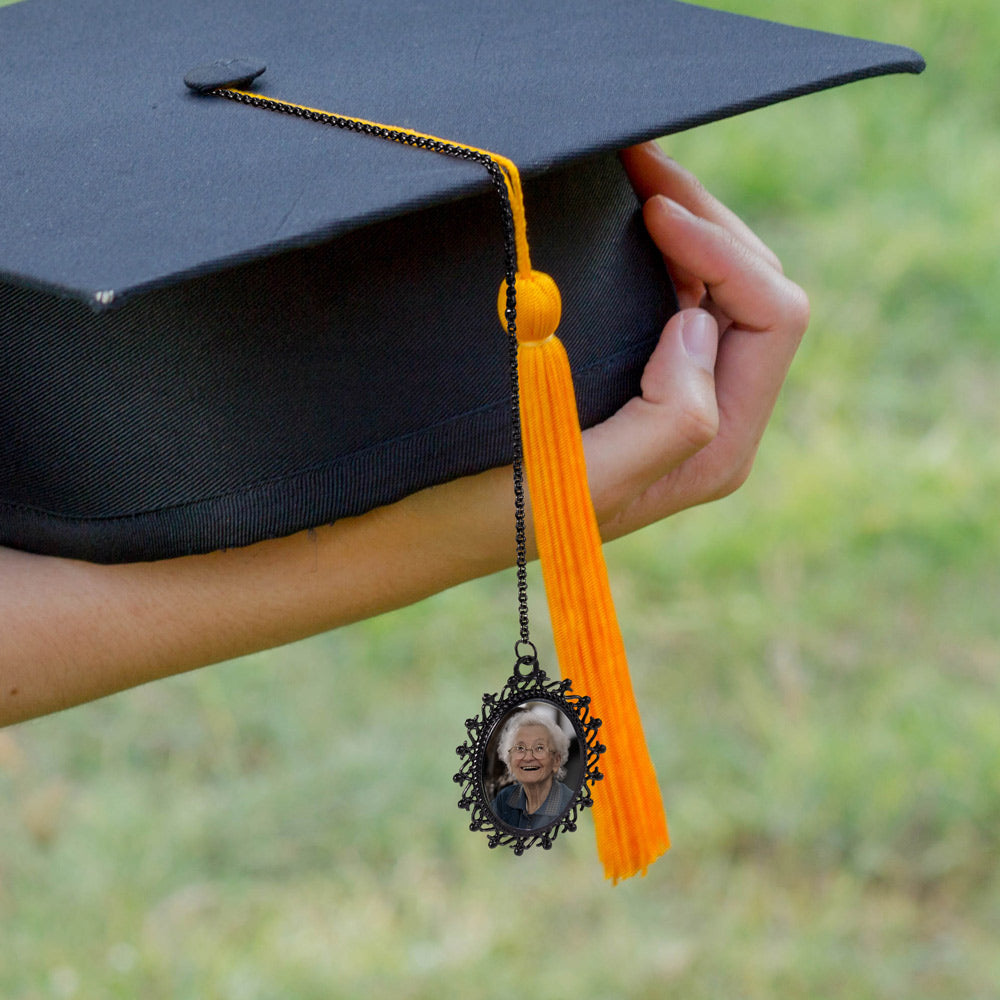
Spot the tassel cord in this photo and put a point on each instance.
(628, 812)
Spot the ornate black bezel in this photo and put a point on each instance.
(527, 684)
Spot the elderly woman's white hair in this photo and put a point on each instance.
(534, 716)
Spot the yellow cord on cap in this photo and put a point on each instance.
(510, 172)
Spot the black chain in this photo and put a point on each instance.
(510, 313)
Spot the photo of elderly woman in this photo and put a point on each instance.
(534, 747)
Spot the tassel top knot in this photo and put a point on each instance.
(539, 306)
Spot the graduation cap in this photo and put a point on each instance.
(222, 325)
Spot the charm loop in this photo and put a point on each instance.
(525, 659)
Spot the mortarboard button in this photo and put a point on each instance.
(238, 72)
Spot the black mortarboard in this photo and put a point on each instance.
(221, 325)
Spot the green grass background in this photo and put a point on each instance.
(816, 659)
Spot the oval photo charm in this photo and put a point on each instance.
(530, 759)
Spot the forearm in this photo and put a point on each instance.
(76, 631)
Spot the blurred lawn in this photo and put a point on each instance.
(817, 662)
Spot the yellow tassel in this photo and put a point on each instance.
(628, 811)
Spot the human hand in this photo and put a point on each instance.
(711, 384)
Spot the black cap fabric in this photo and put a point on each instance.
(223, 324)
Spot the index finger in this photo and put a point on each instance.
(653, 173)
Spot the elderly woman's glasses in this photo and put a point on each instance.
(538, 750)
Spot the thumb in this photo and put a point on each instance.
(675, 416)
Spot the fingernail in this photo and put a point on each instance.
(700, 337)
(670, 207)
